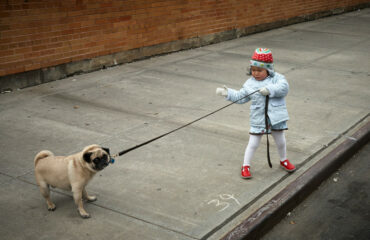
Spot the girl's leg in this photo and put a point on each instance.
(254, 142)
(280, 141)
(279, 138)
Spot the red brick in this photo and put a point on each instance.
(37, 34)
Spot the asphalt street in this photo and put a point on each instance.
(338, 210)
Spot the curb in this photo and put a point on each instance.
(263, 219)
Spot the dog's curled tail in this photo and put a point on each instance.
(41, 155)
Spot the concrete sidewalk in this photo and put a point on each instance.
(186, 185)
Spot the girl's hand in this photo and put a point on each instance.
(264, 91)
(222, 91)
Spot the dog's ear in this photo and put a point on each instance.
(106, 149)
(87, 156)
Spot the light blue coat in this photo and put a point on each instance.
(277, 111)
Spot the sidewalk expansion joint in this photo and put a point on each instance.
(143, 220)
(18, 178)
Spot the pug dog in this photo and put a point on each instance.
(70, 173)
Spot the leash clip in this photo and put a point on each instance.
(112, 160)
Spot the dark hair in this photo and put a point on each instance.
(249, 71)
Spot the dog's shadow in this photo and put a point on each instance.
(64, 202)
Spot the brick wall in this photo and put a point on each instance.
(39, 34)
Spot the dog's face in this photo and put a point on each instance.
(97, 158)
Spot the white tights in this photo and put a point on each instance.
(254, 142)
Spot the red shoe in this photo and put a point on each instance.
(246, 172)
(287, 165)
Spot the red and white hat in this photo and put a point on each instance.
(262, 57)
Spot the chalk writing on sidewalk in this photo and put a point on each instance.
(224, 201)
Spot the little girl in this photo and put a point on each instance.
(267, 82)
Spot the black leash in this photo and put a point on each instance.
(267, 125)
(183, 126)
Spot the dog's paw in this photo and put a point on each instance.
(83, 214)
(52, 207)
(91, 199)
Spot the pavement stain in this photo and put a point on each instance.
(355, 191)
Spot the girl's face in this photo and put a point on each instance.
(259, 73)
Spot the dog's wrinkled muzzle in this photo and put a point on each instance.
(100, 165)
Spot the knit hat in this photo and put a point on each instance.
(262, 57)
